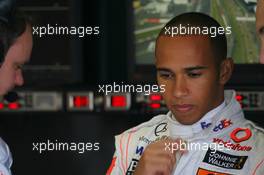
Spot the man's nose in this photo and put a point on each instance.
(19, 80)
(180, 88)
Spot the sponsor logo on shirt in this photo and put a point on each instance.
(145, 139)
(148, 141)
(224, 160)
(162, 127)
(202, 171)
(132, 167)
(223, 124)
(205, 125)
(139, 150)
(230, 145)
(246, 134)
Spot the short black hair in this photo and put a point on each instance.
(12, 24)
(195, 19)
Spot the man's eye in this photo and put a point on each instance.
(194, 75)
(165, 75)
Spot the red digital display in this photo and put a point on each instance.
(155, 97)
(14, 106)
(155, 105)
(2, 105)
(118, 101)
(239, 97)
(80, 101)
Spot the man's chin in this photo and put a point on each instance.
(187, 122)
(186, 119)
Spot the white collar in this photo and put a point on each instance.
(189, 130)
(208, 117)
(228, 109)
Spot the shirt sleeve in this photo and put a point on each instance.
(114, 168)
(117, 167)
(5, 158)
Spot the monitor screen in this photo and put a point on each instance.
(151, 15)
(54, 57)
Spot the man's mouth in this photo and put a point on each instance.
(183, 107)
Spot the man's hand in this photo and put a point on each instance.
(159, 158)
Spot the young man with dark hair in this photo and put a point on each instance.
(194, 70)
(15, 50)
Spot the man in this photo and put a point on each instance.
(15, 50)
(260, 27)
(16, 45)
(194, 70)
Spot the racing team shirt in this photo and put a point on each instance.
(241, 141)
(5, 158)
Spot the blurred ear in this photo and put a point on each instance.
(226, 70)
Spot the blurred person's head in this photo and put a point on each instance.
(193, 68)
(260, 27)
(15, 46)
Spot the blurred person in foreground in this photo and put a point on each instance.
(15, 51)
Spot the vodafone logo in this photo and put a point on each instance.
(237, 135)
(246, 134)
(234, 146)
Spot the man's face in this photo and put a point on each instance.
(17, 55)
(260, 27)
(186, 66)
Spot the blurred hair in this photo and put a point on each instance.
(12, 24)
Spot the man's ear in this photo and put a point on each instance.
(226, 70)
